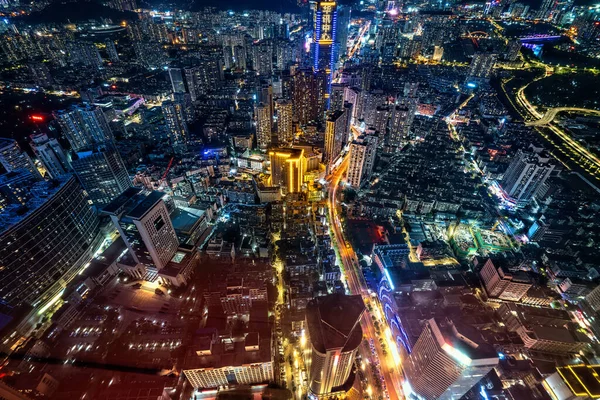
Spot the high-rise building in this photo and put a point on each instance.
(287, 168)
(177, 82)
(174, 114)
(263, 125)
(526, 174)
(13, 158)
(447, 361)
(264, 95)
(505, 286)
(401, 119)
(285, 123)
(335, 129)
(84, 126)
(51, 154)
(325, 47)
(143, 221)
(111, 50)
(336, 97)
(480, 68)
(44, 244)
(309, 88)
(362, 159)
(262, 57)
(102, 173)
(333, 324)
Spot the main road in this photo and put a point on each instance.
(389, 363)
(551, 114)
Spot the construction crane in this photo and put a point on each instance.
(164, 177)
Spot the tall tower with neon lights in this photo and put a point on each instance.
(325, 47)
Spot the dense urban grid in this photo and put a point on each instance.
(372, 199)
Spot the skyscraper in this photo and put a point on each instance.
(13, 158)
(102, 173)
(263, 125)
(264, 94)
(84, 126)
(480, 68)
(143, 221)
(285, 123)
(325, 46)
(526, 174)
(362, 159)
(335, 129)
(333, 324)
(401, 119)
(287, 168)
(111, 50)
(309, 89)
(177, 82)
(44, 245)
(51, 154)
(175, 121)
(447, 361)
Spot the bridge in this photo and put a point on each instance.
(551, 114)
(539, 38)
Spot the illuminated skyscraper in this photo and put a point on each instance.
(480, 68)
(334, 331)
(142, 219)
(447, 361)
(84, 126)
(335, 129)
(13, 158)
(362, 159)
(174, 115)
(526, 174)
(325, 48)
(285, 125)
(51, 154)
(287, 168)
(263, 125)
(102, 173)
(309, 88)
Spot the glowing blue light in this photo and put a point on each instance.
(389, 278)
(471, 85)
(231, 13)
(253, 97)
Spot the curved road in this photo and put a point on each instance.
(357, 285)
(553, 112)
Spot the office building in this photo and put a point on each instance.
(447, 360)
(573, 382)
(285, 121)
(309, 90)
(143, 221)
(264, 95)
(13, 158)
(333, 325)
(287, 168)
(504, 286)
(177, 82)
(335, 130)
(51, 154)
(46, 242)
(526, 174)
(174, 114)
(263, 125)
(362, 159)
(102, 173)
(84, 126)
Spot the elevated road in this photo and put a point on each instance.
(553, 112)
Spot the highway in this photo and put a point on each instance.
(389, 363)
(569, 146)
(553, 112)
